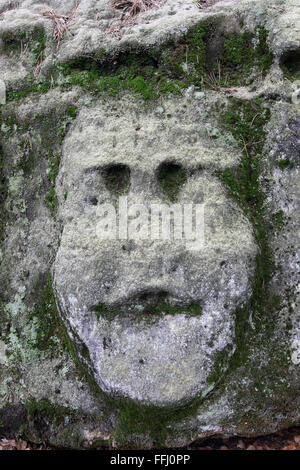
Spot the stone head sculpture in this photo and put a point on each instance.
(149, 196)
(156, 314)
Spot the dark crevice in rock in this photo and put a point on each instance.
(290, 64)
(12, 417)
(117, 178)
(171, 177)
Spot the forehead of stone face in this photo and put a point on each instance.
(144, 136)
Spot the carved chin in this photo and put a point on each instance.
(157, 339)
(156, 360)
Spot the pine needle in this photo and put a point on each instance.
(131, 9)
(60, 23)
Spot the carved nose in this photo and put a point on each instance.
(144, 182)
(165, 181)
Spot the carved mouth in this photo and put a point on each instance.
(148, 303)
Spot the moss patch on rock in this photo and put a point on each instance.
(136, 421)
(45, 418)
(207, 56)
(50, 198)
(246, 122)
(190, 61)
(3, 195)
(149, 313)
(240, 56)
(34, 40)
(50, 332)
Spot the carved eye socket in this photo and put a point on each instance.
(171, 178)
(290, 64)
(92, 200)
(117, 179)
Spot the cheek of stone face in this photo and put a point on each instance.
(156, 317)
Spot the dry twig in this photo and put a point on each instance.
(131, 9)
(205, 3)
(60, 22)
(38, 66)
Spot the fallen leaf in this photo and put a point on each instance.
(21, 445)
(289, 447)
(241, 445)
(251, 447)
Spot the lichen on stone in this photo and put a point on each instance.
(138, 343)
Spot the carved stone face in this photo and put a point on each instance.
(154, 315)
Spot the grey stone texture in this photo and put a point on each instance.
(147, 342)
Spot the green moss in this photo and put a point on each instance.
(171, 178)
(142, 87)
(136, 421)
(278, 220)
(79, 354)
(199, 63)
(50, 333)
(286, 163)
(52, 422)
(34, 41)
(265, 357)
(188, 58)
(92, 77)
(178, 65)
(237, 49)
(239, 57)
(50, 198)
(45, 409)
(149, 312)
(28, 160)
(41, 421)
(221, 362)
(263, 55)
(192, 60)
(40, 88)
(72, 111)
(246, 122)
(3, 196)
(39, 45)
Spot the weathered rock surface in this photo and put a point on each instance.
(144, 340)
(169, 360)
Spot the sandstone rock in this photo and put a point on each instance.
(149, 335)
